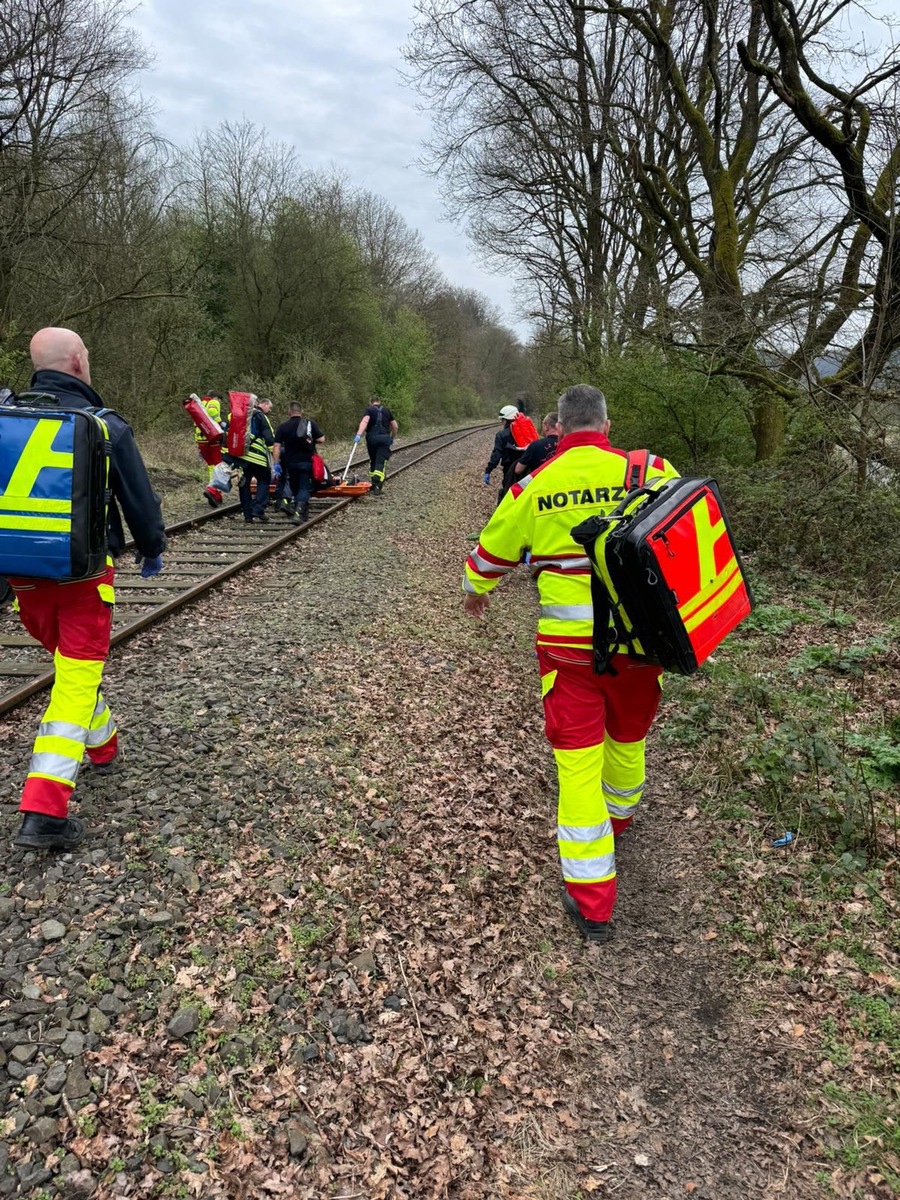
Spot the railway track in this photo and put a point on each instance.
(203, 552)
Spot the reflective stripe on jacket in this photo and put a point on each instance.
(585, 478)
(260, 437)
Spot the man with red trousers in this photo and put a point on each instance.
(596, 724)
(73, 619)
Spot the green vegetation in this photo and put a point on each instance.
(780, 730)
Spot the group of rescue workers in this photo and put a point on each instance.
(288, 455)
(596, 723)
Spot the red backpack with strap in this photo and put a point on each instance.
(667, 581)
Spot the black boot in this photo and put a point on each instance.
(40, 832)
(593, 931)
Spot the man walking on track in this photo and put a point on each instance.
(73, 619)
(380, 428)
(596, 724)
(296, 441)
(256, 463)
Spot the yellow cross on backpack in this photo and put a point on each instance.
(667, 582)
(54, 471)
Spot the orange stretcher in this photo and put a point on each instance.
(342, 489)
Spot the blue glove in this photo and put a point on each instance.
(487, 478)
(152, 566)
(276, 470)
(356, 439)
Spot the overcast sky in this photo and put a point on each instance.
(322, 75)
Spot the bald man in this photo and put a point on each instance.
(73, 619)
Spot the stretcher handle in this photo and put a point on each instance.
(349, 461)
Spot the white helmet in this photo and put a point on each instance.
(508, 412)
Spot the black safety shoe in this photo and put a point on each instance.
(262, 517)
(40, 832)
(105, 768)
(593, 931)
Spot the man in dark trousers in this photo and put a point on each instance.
(73, 619)
(380, 428)
(296, 440)
(505, 453)
(538, 452)
(256, 463)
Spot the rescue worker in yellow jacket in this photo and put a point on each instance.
(210, 452)
(596, 724)
(257, 463)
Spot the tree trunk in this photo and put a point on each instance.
(768, 424)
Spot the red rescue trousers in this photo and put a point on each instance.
(211, 453)
(596, 725)
(73, 621)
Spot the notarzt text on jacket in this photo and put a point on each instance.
(600, 495)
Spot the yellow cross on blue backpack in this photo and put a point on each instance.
(54, 473)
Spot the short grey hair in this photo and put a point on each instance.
(582, 407)
(551, 420)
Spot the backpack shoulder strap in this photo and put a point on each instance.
(31, 399)
(636, 469)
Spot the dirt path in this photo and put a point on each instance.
(314, 947)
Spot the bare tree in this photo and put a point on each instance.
(855, 123)
(644, 183)
(64, 67)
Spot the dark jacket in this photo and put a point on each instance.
(505, 451)
(537, 453)
(129, 482)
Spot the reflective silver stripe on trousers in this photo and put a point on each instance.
(97, 737)
(469, 586)
(583, 833)
(66, 729)
(621, 809)
(58, 765)
(624, 792)
(568, 612)
(574, 869)
(484, 564)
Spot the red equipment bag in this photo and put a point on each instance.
(194, 408)
(523, 431)
(239, 423)
(667, 581)
(319, 470)
(210, 452)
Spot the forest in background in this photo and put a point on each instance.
(220, 263)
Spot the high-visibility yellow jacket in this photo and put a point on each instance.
(260, 436)
(585, 478)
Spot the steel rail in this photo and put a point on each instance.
(163, 605)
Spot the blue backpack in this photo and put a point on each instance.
(54, 488)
